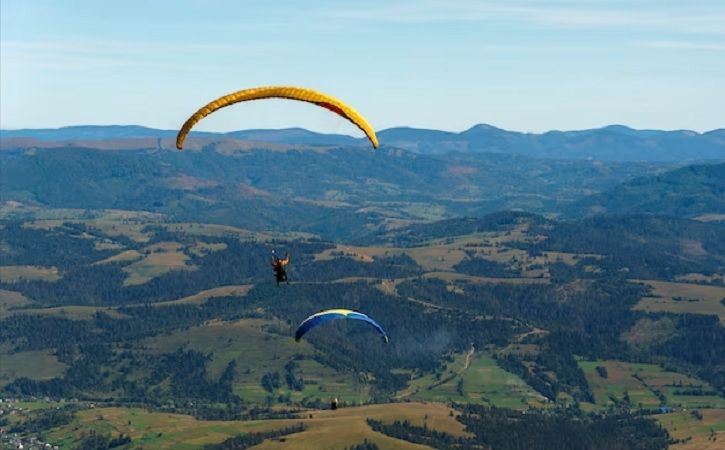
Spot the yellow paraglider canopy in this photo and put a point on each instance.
(288, 92)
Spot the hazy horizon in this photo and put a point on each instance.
(353, 133)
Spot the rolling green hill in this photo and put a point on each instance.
(686, 192)
(340, 193)
(136, 295)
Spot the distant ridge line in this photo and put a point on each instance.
(609, 143)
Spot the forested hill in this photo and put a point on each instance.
(336, 192)
(610, 143)
(686, 192)
(648, 246)
(116, 132)
(418, 234)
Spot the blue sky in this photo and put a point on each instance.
(527, 65)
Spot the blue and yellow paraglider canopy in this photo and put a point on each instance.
(334, 314)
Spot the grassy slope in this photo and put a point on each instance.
(705, 434)
(257, 351)
(326, 429)
(10, 300)
(621, 379)
(12, 274)
(680, 298)
(483, 381)
(38, 365)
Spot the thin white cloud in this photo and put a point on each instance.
(682, 45)
(647, 15)
(63, 62)
(85, 55)
(126, 47)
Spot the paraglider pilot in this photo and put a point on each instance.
(280, 267)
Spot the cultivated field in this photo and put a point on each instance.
(325, 429)
(647, 385)
(10, 300)
(37, 365)
(683, 298)
(696, 434)
(159, 259)
(239, 290)
(474, 378)
(13, 274)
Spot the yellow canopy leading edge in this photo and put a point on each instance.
(288, 92)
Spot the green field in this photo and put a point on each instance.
(705, 434)
(110, 222)
(159, 259)
(683, 298)
(124, 256)
(479, 380)
(438, 259)
(325, 429)
(239, 290)
(36, 365)
(257, 349)
(641, 382)
(459, 277)
(485, 381)
(216, 230)
(72, 312)
(10, 300)
(441, 386)
(13, 274)
(442, 255)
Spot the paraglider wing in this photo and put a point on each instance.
(334, 314)
(287, 92)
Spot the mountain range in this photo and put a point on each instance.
(610, 143)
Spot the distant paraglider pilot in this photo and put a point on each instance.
(280, 267)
